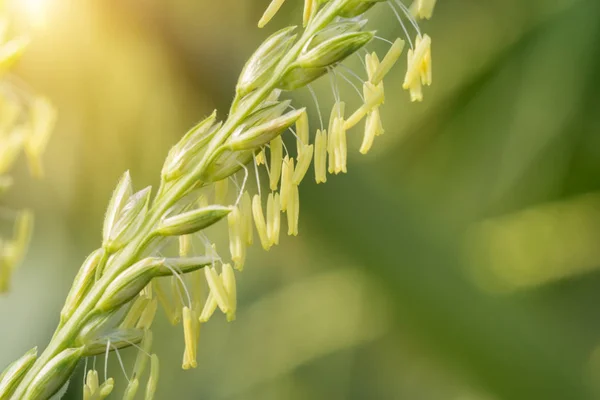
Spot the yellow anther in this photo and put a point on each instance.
(388, 62)
(237, 245)
(228, 277)
(321, 156)
(246, 216)
(293, 211)
(216, 288)
(287, 175)
(304, 160)
(259, 221)
(209, 308)
(373, 128)
(190, 334)
(273, 218)
(417, 60)
(270, 12)
(276, 159)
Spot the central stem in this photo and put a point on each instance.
(65, 335)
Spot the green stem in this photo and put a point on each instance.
(65, 335)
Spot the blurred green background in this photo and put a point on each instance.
(458, 260)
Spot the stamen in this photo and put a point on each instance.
(259, 221)
(228, 277)
(287, 174)
(270, 12)
(320, 157)
(257, 175)
(276, 158)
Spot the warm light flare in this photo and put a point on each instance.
(33, 12)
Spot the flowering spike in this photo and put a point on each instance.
(190, 333)
(259, 221)
(287, 175)
(276, 159)
(388, 61)
(270, 12)
(320, 156)
(228, 277)
(304, 160)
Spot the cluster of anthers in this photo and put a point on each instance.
(26, 122)
(114, 298)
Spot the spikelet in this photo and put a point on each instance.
(287, 175)
(259, 221)
(321, 156)
(276, 159)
